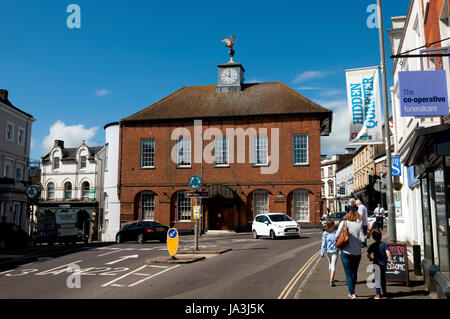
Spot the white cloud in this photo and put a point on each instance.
(338, 139)
(309, 88)
(254, 80)
(102, 92)
(309, 75)
(72, 135)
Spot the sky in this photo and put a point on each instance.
(127, 55)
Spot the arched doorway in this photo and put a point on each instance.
(222, 208)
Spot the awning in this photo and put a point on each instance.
(429, 139)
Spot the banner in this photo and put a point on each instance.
(363, 92)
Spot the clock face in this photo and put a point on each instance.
(228, 76)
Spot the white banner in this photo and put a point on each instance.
(363, 92)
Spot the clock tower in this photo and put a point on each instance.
(231, 77)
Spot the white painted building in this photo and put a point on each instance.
(15, 143)
(69, 178)
(111, 203)
(408, 34)
(344, 183)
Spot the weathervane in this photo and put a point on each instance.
(230, 44)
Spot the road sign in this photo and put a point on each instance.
(380, 186)
(172, 241)
(32, 191)
(196, 212)
(197, 194)
(195, 182)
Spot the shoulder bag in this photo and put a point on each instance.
(343, 236)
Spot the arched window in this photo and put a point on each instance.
(68, 190)
(148, 206)
(260, 202)
(51, 191)
(85, 191)
(301, 206)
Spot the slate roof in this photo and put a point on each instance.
(70, 154)
(268, 98)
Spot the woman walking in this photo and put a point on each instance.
(329, 245)
(351, 251)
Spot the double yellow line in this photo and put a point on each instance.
(287, 290)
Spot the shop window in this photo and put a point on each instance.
(260, 203)
(183, 207)
(85, 191)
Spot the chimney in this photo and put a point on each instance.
(3, 95)
(59, 143)
(350, 150)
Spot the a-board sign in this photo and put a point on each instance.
(400, 272)
(172, 241)
(197, 212)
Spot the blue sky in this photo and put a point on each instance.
(129, 54)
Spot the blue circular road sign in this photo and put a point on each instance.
(195, 182)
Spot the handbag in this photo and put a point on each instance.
(343, 237)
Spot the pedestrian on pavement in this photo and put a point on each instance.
(381, 254)
(352, 204)
(351, 251)
(379, 211)
(329, 245)
(362, 210)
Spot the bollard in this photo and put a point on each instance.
(417, 260)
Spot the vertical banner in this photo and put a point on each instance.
(363, 92)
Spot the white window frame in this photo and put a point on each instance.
(297, 206)
(150, 206)
(221, 151)
(183, 214)
(260, 146)
(21, 130)
(299, 147)
(258, 207)
(147, 155)
(83, 192)
(10, 139)
(48, 192)
(182, 143)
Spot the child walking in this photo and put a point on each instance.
(381, 254)
(329, 245)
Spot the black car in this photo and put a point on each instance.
(142, 231)
(12, 236)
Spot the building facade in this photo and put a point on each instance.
(70, 180)
(344, 184)
(15, 142)
(423, 143)
(256, 147)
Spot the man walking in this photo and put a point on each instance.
(362, 210)
(379, 211)
(352, 205)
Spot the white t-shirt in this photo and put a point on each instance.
(362, 210)
(379, 210)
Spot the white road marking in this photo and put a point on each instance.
(126, 275)
(147, 248)
(152, 276)
(117, 285)
(111, 252)
(53, 269)
(157, 266)
(5, 272)
(122, 259)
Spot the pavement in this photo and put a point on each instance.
(317, 282)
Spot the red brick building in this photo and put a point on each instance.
(152, 185)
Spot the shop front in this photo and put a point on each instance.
(430, 155)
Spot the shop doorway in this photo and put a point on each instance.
(222, 208)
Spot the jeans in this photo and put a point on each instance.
(379, 222)
(351, 264)
(364, 229)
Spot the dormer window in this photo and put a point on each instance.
(83, 162)
(55, 162)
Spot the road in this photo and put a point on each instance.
(253, 269)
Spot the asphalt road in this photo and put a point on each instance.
(253, 269)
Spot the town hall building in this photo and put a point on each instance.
(264, 146)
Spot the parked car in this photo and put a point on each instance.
(12, 236)
(337, 217)
(275, 225)
(141, 231)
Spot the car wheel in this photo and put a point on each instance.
(118, 240)
(140, 239)
(272, 235)
(255, 235)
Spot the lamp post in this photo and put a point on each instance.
(387, 141)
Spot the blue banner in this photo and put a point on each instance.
(396, 166)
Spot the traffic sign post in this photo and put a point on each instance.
(172, 242)
(195, 183)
